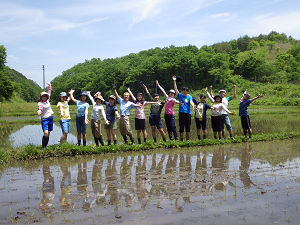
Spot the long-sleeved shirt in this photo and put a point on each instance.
(111, 112)
(45, 106)
(225, 101)
(98, 110)
(219, 109)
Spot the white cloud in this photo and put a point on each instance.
(17, 22)
(220, 15)
(287, 23)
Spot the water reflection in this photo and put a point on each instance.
(175, 180)
(32, 135)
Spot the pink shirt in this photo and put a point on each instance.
(169, 106)
(139, 111)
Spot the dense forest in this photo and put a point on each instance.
(268, 64)
(272, 60)
(14, 83)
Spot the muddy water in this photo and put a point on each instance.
(250, 183)
(20, 134)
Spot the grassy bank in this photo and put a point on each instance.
(32, 152)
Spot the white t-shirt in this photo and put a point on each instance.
(220, 107)
(45, 107)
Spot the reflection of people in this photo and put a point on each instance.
(99, 193)
(45, 111)
(65, 187)
(48, 193)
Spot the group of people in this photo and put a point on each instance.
(187, 104)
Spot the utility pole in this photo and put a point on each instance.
(44, 77)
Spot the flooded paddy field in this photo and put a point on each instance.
(248, 183)
(18, 131)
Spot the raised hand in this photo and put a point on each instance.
(205, 89)
(71, 91)
(174, 78)
(156, 82)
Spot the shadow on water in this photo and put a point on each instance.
(215, 185)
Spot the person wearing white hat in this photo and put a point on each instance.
(169, 112)
(64, 116)
(97, 111)
(45, 111)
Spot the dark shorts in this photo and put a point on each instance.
(184, 122)
(155, 120)
(140, 124)
(245, 120)
(80, 125)
(217, 123)
(47, 123)
(200, 124)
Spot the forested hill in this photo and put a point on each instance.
(15, 84)
(26, 89)
(270, 59)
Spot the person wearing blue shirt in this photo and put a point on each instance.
(243, 113)
(184, 110)
(125, 108)
(81, 115)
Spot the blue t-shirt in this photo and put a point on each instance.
(81, 108)
(243, 107)
(125, 107)
(110, 112)
(186, 108)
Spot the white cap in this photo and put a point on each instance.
(172, 91)
(222, 90)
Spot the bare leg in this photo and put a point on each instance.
(153, 129)
(162, 133)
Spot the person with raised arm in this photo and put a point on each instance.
(216, 116)
(64, 116)
(125, 108)
(140, 118)
(243, 113)
(82, 111)
(169, 111)
(184, 110)
(225, 101)
(155, 112)
(98, 111)
(111, 115)
(46, 112)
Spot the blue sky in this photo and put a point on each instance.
(60, 33)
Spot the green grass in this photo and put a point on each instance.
(32, 152)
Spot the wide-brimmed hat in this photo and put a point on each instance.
(172, 91)
(218, 96)
(112, 97)
(99, 96)
(44, 93)
(63, 94)
(222, 90)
